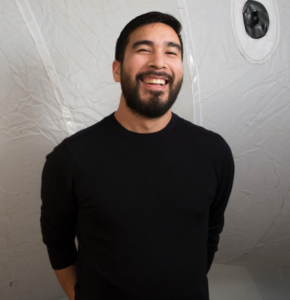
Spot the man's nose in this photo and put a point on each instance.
(157, 61)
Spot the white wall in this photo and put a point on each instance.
(251, 283)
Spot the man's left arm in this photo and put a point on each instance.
(225, 174)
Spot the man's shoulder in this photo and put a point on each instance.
(196, 131)
(208, 141)
(94, 131)
(208, 144)
(86, 137)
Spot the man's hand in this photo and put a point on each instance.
(67, 279)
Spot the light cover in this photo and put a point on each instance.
(56, 78)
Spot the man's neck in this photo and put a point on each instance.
(136, 123)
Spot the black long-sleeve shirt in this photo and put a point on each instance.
(147, 209)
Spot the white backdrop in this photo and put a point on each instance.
(55, 78)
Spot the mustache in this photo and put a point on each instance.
(154, 73)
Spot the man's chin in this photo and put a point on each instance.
(151, 108)
(154, 97)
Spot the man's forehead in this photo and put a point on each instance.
(154, 32)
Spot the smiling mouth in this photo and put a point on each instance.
(155, 81)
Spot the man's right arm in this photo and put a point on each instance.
(59, 216)
(67, 279)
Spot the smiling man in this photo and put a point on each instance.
(143, 190)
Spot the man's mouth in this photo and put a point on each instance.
(154, 81)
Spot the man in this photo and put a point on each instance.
(143, 190)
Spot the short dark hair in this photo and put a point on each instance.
(148, 18)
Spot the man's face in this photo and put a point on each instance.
(151, 73)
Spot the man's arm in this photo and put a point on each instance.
(67, 279)
(225, 175)
(59, 216)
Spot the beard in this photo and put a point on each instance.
(154, 107)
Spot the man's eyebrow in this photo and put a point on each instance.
(142, 42)
(150, 43)
(172, 44)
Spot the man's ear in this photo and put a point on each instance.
(116, 70)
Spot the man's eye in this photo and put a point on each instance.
(145, 50)
(171, 53)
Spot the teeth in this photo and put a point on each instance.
(154, 81)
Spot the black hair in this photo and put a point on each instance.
(148, 18)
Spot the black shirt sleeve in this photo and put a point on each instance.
(59, 209)
(225, 174)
